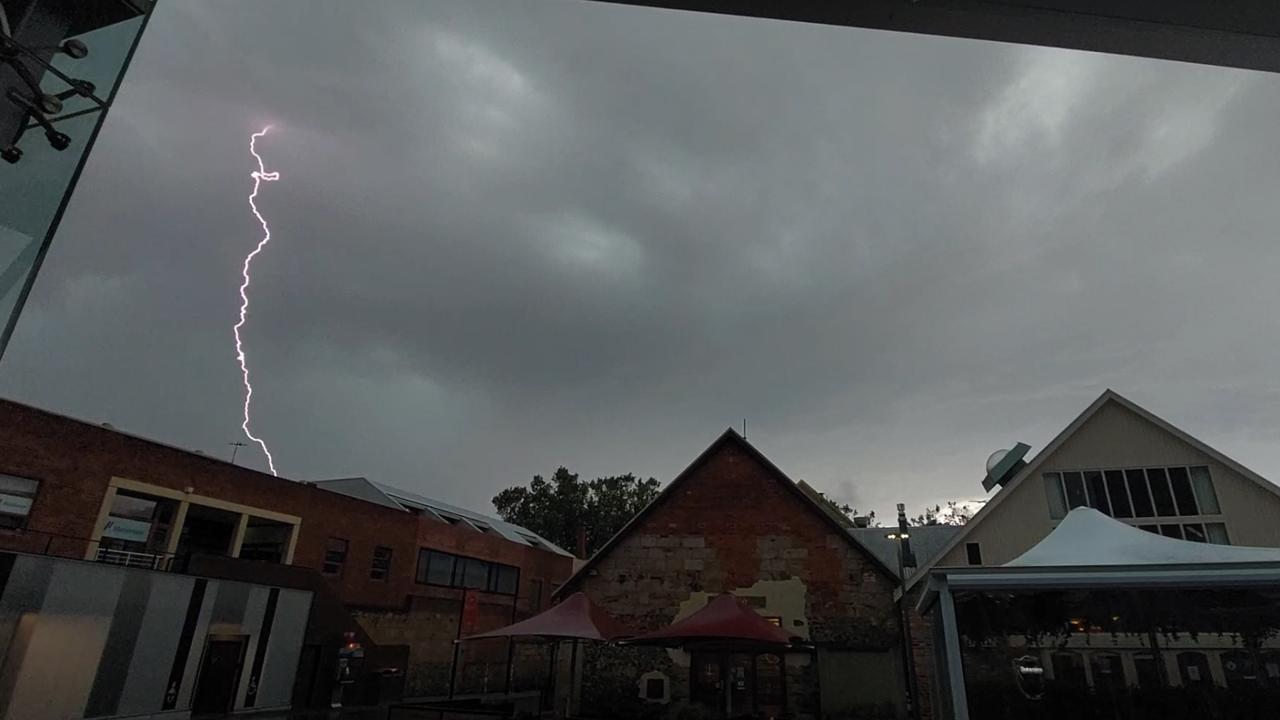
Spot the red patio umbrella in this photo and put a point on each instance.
(724, 622)
(725, 626)
(574, 618)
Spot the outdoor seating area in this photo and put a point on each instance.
(1104, 620)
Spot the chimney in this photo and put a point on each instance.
(582, 543)
(904, 537)
(861, 521)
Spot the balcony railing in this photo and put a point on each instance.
(149, 561)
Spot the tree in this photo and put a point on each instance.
(954, 513)
(557, 509)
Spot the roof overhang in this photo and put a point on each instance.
(1007, 579)
(1228, 33)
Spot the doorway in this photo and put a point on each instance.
(219, 674)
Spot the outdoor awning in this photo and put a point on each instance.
(575, 618)
(723, 622)
(1087, 537)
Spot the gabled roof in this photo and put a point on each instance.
(927, 542)
(393, 497)
(728, 436)
(1030, 469)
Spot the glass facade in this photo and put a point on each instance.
(61, 64)
(1121, 654)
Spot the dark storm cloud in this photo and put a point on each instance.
(511, 236)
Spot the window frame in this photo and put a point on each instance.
(325, 562)
(14, 521)
(972, 550)
(1146, 490)
(374, 564)
(458, 567)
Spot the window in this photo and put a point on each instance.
(973, 551)
(535, 596)
(1203, 485)
(472, 573)
(1075, 490)
(1134, 493)
(1118, 494)
(1158, 479)
(1139, 493)
(1057, 498)
(1182, 493)
(435, 568)
(1097, 492)
(655, 688)
(16, 496)
(441, 568)
(1173, 531)
(335, 554)
(1194, 532)
(380, 568)
(504, 579)
(1217, 533)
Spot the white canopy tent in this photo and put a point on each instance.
(1088, 551)
(1086, 537)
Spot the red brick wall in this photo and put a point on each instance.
(74, 461)
(922, 654)
(730, 524)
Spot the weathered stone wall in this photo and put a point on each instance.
(732, 525)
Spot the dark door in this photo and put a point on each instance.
(707, 680)
(304, 683)
(742, 685)
(219, 675)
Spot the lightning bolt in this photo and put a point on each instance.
(259, 176)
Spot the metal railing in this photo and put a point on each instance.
(149, 561)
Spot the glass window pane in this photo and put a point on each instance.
(1194, 532)
(476, 575)
(1182, 491)
(1173, 531)
(335, 554)
(1150, 528)
(1097, 492)
(1205, 494)
(11, 485)
(1075, 490)
(1057, 498)
(1160, 493)
(1217, 533)
(508, 579)
(1118, 494)
(380, 567)
(1141, 495)
(440, 568)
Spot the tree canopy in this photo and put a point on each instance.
(557, 508)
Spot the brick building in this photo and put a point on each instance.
(733, 522)
(402, 564)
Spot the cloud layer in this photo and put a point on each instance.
(514, 236)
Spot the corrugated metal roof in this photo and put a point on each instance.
(926, 542)
(514, 533)
(394, 497)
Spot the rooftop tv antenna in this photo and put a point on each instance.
(235, 448)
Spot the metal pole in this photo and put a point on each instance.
(555, 656)
(573, 666)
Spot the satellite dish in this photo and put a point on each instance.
(1003, 465)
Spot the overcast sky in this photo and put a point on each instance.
(514, 235)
